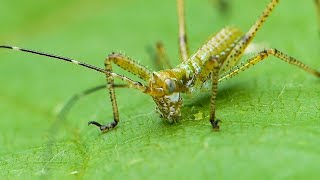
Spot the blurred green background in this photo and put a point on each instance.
(270, 113)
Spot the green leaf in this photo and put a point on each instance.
(270, 114)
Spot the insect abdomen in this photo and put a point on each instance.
(219, 45)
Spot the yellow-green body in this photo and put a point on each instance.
(219, 46)
(192, 73)
(219, 54)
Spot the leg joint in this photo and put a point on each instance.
(272, 51)
(112, 55)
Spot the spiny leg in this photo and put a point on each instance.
(214, 77)
(130, 66)
(264, 54)
(110, 82)
(110, 85)
(183, 44)
(211, 69)
(240, 47)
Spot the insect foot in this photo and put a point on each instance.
(104, 128)
(215, 124)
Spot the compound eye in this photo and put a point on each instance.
(171, 86)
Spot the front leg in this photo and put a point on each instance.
(130, 66)
(110, 86)
(210, 69)
(214, 77)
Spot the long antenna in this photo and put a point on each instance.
(57, 57)
(131, 83)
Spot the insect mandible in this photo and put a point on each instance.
(216, 60)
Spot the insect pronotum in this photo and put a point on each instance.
(216, 60)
